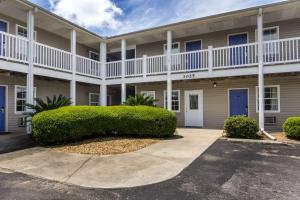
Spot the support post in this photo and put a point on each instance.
(169, 67)
(103, 88)
(73, 81)
(30, 75)
(123, 57)
(144, 66)
(260, 69)
(123, 93)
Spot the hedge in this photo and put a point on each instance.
(241, 127)
(291, 127)
(73, 123)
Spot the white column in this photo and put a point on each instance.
(103, 88)
(123, 57)
(30, 75)
(123, 93)
(169, 65)
(260, 68)
(73, 81)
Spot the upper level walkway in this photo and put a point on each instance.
(211, 62)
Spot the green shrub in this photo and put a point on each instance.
(76, 122)
(241, 127)
(291, 127)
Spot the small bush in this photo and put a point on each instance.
(291, 127)
(241, 127)
(76, 122)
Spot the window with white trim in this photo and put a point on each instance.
(94, 55)
(271, 33)
(271, 99)
(175, 100)
(20, 98)
(175, 48)
(22, 31)
(149, 93)
(94, 99)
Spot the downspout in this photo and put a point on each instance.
(260, 47)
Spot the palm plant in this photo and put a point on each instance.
(140, 99)
(50, 104)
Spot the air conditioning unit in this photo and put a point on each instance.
(270, 120)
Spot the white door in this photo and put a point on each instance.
(193, 108)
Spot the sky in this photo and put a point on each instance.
(114, 17)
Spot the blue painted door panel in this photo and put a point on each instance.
(3, 28)
(238, 55)
(2, 109)
(193, 61)
(238, 102)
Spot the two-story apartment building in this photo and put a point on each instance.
(204, 69)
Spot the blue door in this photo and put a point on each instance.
(193, 60)
(3, 28)
(238, 54)
(238, 102)
(2, 109)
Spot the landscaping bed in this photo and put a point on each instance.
(106, 145)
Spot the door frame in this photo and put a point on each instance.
(185, 106)
(6, 106)
(240, 33)
(187, 41)
(228, 105)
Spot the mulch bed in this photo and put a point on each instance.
(280, 136)
(106, 145)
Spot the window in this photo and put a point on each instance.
(94, 99)
(272, 99)
(149, 93)
(194, 102)
(175, 48)
(20, 98)
(22, 31)
(175, 100)
(93, 55)
(271, 33)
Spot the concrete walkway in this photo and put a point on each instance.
(153, 164)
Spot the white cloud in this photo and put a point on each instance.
(88, 13)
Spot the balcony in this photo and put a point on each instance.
(284, 51)
(14, 48)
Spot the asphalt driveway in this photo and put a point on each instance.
(227, 170)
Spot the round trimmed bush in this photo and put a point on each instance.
(76, 122)
(241, 127)
(291, 127)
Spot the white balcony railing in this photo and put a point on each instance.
(156, 65)
(53, 58)
(190, 61)
(13, 48)
(86, 66)
(283, 51)
(235, 56)
(114, 69)
(134, 67)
